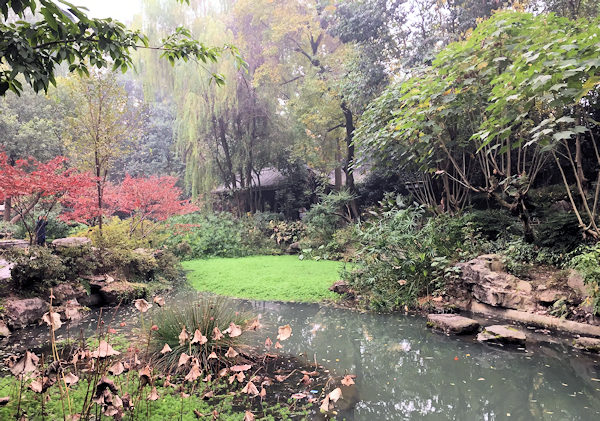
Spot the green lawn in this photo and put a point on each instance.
(282, 278)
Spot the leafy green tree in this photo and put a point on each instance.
(485, 117)
(60, 32)
(102, 127)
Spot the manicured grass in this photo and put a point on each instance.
(280, 278)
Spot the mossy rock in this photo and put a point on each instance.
(123, 292)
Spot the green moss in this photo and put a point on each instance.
(169, 406)
(282, 278)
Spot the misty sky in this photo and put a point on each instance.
(122, 10)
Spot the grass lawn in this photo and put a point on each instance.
(281, 278)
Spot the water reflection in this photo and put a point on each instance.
(406, 372)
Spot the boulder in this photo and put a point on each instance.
(452, 323)
(122, 292)
(4, 331)
(340, 287)
(8, 244)
(68, 291)
(502, 334)
(498, 289)
(294, 248)
(23, 312)
(493, 262)
(576, 283)
(550, 296)
(588, 344)
(5, 268)
(71, 242)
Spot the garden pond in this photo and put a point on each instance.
(404, 370)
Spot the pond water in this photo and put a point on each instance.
(406, 372)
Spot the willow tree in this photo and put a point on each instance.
(225, 134)
(101, 128)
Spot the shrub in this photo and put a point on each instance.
(560, 232)
(404, 255)
(285, 233)
(324, 218)
(495, 223)
(587, 263)
(204, 314)
(37, 268)
(117, 233)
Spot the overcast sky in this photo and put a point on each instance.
(122, 10)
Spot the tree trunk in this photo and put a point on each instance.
(349, 124)
(7, 209)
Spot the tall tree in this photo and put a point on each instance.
(102, 127)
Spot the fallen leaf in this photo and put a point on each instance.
(278, 345)
(104, 350)
(325, 404)
(255, 325)
(183, 359)
(298, 396)
(233, 330)
(70, 379)
(243, 367)
(160, 301)
(223, 372)
(199, 338)
(37, 385)
(212, 355)
(52, 319)
(248, 416)
(347, 380)
(263, 392)
(335, 394)
(231, 353)
(250, 389)
(194, 373)
(116, 368)
(166, 349)
(208, 395)
(268, 343)
(217, 335)
(284, 332)
(183, 336)
(153, 394)
(27, 364)
(142, 305)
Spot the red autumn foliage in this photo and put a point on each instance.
(30, 184)
(155, 198)
(83, 206)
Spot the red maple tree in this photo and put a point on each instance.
(38, 186)
(152, 198)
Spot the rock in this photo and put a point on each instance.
(576, 283)
(340, 287)
(68, 291)
(503, 334)
(5, 268)
(550, 296)
(561, 206)
(72, 310)
(71, 242)
(452, 323)
(7, 244)
(493, 262)
(588, 344)
(4, 331)
(23, 312)
(92, 300)
(497, 289)
(294, 248)
(122, 292)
